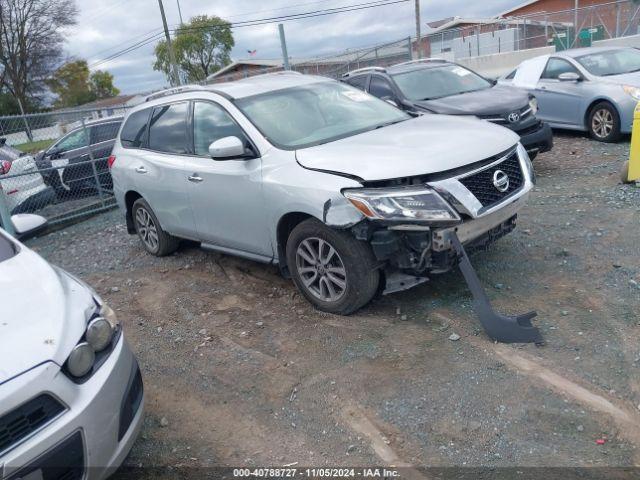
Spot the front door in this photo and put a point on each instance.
(559, 101)
(226, 195)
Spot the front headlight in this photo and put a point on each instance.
(418, 204)
(95, 345)
(524, 156)
(533, 105)
(633, 92)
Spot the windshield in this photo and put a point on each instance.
(318, 113)
(612, 62)
(438, 82)
(7, 250)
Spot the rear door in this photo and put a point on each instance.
(226, 195)
(559, 102)
(159, 169)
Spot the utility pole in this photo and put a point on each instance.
(575, 23)
(283, 45)
(418, 42)
(179, 12)
(175, 81)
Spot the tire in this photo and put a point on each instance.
(604, 123)
(351, 288)
(153, 238)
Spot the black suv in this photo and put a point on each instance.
(439, 86)
(66, 165)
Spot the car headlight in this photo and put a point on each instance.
(418, 204)
(533, 105)
(633, 92)
(524, 156)
(96, 343)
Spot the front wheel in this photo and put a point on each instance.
(604, 123)
(333, 270)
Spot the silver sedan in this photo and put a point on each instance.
(589, 89)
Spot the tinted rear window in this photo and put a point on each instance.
(135, 128)
(7, 249)
(104, 132)
(168, 128)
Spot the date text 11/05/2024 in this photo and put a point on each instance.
(286, 472)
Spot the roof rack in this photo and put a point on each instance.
(364, 69)
(423, 60)
(174, 91)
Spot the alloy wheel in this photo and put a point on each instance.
(602, 123)
(321, 269)
(147, 229)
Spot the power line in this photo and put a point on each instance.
(256, 22)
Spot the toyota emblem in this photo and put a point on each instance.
(514, 117)
(501, 181)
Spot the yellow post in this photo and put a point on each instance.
(634, 154)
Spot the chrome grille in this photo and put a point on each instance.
(481, 185)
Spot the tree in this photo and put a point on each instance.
(74, 86)
(71, 84)
(101, 85)
(201, 47)
(31, 43)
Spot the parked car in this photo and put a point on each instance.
(589, 89)
(346, 193)
(71, 394)
(439, 86)
(22, 193)
(69, 156)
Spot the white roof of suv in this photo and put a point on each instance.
(247, 87)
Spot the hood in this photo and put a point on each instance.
(423, 145)
(499, 100)
(43, 313)
(632, 79)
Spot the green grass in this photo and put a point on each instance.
(34, 147)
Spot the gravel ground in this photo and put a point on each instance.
(240, 370)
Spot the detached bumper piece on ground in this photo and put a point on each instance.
(502, 328)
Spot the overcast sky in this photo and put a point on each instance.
(107, 26)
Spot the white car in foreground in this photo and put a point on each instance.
(71, 394)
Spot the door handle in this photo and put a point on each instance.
(195, 178)
(141, 170)
(543, 88)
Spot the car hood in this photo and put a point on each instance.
(632, 79)
(43, 313)
(499, 100)
(423, 145)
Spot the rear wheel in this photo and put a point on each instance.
(604, 122)
(333, 270)
(154, 240)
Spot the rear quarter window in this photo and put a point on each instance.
(134, 132)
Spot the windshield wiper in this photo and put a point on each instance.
(389, 123)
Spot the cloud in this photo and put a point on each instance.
(105, 28)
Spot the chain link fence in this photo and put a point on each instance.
(56, 164)
(564, 29)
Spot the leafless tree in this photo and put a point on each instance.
(31, 43)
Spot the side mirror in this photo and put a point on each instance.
(391, 101)
(569, 77)
(227, 147)
(26, 223)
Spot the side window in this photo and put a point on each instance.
(358, 82)
(135, 129)
(555, 67)
(168, 128)
(512, 75)
(210, 123)
(76, 139)
(103, 132)
(380, 87)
